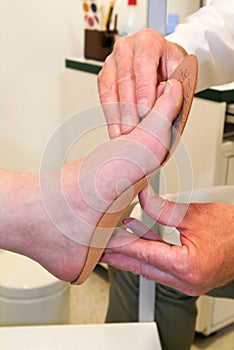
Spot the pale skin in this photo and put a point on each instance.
(131, 73)
(33, 219)
(205, 260)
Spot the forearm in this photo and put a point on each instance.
(209, 34)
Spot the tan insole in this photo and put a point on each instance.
(186, 73)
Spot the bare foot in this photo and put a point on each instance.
(56, 216)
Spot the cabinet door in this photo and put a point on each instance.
(223, 313)
(230, 172)
(194, 164)
(213, 314)
(225, 169)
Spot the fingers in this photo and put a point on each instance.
(138, 267)
(149, 50)
(124, 59)
(116, 83)
(164, 111)
(154, 253)
(173, 260)
(140, 229)
(124, 262)
(120, 237)
(162, 210)
(109, 97)
(154, 132)
(130, 76)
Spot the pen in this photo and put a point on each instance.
(109, 14)
(115, 24)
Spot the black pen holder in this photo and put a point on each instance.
(98, 44)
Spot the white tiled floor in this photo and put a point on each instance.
(89, 302)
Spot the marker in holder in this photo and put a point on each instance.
(98, 44)
(100, 30)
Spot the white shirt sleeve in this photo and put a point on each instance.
(209, 34)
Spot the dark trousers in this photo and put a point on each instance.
(175, 312)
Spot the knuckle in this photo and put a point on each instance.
(150, 37)
(194, 276)
(165, 211)
(120, 46)
(188, 270)
(138, 270)
(125, 78)
(147, 33)
(104, 80)
(142, 90)
(196, 280)
(106, 90)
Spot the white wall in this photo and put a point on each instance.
(35, 38)
(182, 7)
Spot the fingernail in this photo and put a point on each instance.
(142, 107)
(114, 131)
(126, 221)
(162, 83)
(168, 87)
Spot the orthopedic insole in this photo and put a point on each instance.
(186, 73)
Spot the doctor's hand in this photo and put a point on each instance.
(130, 75)
(203, 262)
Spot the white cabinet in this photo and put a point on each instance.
(225, 171)
(214, 314)
(230, 173)
(194, 163)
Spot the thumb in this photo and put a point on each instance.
(162, 210)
